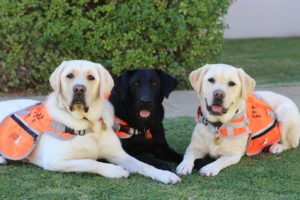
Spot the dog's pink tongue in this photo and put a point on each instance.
(217, 108)
(144, 113)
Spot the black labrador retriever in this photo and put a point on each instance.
(137, 98)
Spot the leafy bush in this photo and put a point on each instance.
(174, 35)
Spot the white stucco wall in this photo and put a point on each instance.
(263, 18)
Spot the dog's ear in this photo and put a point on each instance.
(168, 83)
(106, 82)
(55, 77)
(122, 83)
(248, 83)
(196, 77)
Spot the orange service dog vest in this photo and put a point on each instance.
(262, 123)
(20, 132)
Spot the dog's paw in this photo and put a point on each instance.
(209, 170)
(184, 168)
(114, 171)
(277, 148)
(167, 177)
(2, 160)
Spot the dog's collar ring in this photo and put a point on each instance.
(204, 121)
(81, 133)
(135, 132)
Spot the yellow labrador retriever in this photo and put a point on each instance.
(234, 121)
(76, 137)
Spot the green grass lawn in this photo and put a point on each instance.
(270, 61)
(261, 177)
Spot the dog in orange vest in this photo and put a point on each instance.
(65, 133)
(233, 120)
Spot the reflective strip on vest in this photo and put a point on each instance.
(236, 127)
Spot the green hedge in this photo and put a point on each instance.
(174, 35)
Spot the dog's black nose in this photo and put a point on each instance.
(145, 100)
(79, 89)
(219, 94)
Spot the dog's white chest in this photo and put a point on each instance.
(223, 145)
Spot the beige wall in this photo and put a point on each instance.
(263, 18)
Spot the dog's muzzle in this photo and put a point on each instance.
(216, 108)
(145, 107)
(78, 100)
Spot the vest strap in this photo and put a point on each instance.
(26, 127)
(265, 131)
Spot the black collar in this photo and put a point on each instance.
(204, 120)
(74, 132)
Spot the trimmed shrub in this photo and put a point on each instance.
(174, 35)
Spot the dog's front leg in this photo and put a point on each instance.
(215, 167)
(114, 153)
(152, 161)
(165, 152)
(134, 166)
(160, 147)
(192, 153)
(87, 165)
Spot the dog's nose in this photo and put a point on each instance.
(145, 100)
(219, 94)
(79, 89)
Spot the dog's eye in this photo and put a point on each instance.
(154, 83)
(90, 77)
(70, 76)
(231, 83)
(212, 80)
(136, 83)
